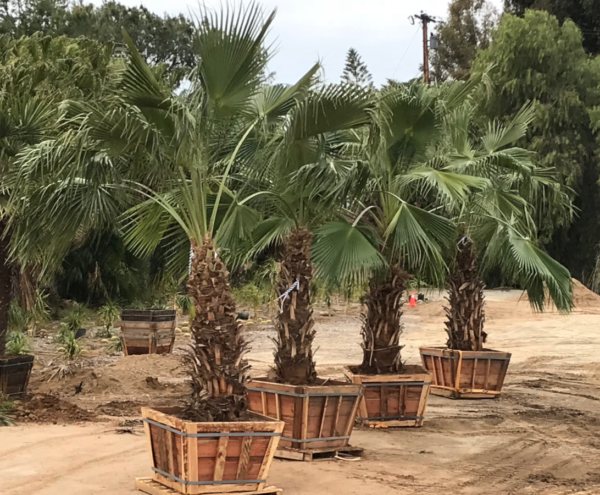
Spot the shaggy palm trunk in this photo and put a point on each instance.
(294, 362)
(216, 358)
(465, 295)
(5, 286)
(381, 327)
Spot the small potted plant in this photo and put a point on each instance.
(16, 360)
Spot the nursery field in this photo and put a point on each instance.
(82, 435)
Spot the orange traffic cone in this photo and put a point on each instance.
(412, 302)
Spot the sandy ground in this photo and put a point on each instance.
(541, 437)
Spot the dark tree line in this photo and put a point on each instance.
(163, 39)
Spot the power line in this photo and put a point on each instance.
(405, 52)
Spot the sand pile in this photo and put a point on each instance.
(583, 297)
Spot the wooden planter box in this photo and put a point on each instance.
(195, 458)
(392, 400)
(465, 374)
(148, 331)
(317, 417)
(14, 375)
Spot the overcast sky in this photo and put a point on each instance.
(306, 31)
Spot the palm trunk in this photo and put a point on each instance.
(5, 286)
(382, 328)
(466, 312)
(294, 363)
(216, 358)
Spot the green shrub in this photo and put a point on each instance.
(109, 313)
(71, 348)
(115, 345)
(186, 304)
(251, 294)
(6, 413)
(17, 343)
(17, 318)
(75, 317)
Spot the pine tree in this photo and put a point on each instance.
(355, 71)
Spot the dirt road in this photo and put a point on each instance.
(541, 437)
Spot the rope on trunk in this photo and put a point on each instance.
(283, 297)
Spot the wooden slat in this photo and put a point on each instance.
(433, 370)
(458, 370)
(168, 441)
(352, 417)
(383, 401)
(423, 403)
(305, 405)
(220, 458)
(269, 456)
(263, 399)
(242, 471)
(149, 441)
(278, 406)
(487, 374)
(323, 414)
(474, 374)
(191, 466)
(336, 418)
(298, 416)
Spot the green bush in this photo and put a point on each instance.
(75, 317)
(251, 294)
(17, 318)
(109, 313)
(17, 343)
(6, 413)
(71, 348)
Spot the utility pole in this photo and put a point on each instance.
(425, 19)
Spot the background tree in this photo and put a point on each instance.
(162, 39)
(355, 70)
(468, 28)
(36, 74)
(539, 60)
(586, 14)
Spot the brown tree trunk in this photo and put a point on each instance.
(382, 328)
(5, 286)
(466, 311)
(216, 359)
(294, 361)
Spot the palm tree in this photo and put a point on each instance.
(310, 155)
(396, 229)
(36, 74)
(497, 224)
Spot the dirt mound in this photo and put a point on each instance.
(126, 376)
(120, 408)
(43, 408)
(583, 297)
